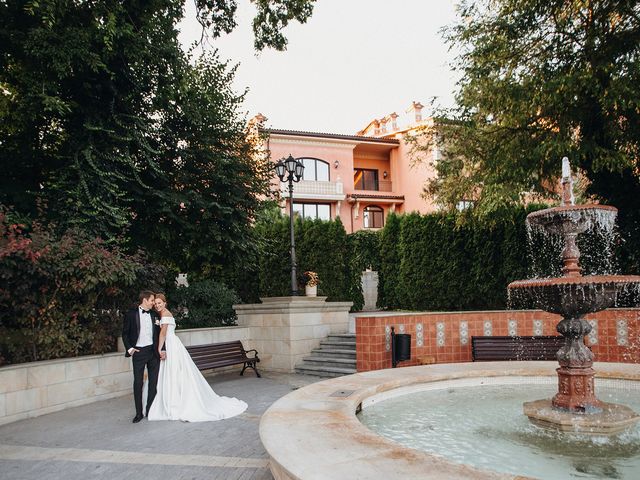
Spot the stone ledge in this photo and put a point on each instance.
(301, 304)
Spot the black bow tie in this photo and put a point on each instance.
(145, 311)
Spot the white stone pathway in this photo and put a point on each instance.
(20, 452)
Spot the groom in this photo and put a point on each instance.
(140, 333)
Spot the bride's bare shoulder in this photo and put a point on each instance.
(166, 314)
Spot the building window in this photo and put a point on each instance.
(365, 179)
(464, 205)
(321, 211)
(373, 217)
(315, 170)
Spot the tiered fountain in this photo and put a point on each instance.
(575, 406)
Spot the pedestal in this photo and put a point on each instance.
(576, 390)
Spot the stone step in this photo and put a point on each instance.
(342, 336)
(333, 353)
(329, 362)
(340, 344)
(324, 371)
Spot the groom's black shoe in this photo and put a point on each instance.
(137, 418)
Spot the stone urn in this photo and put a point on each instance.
(311, 290)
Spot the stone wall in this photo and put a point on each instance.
(32, 389)
(445, 337)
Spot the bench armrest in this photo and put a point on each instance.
(252, 350)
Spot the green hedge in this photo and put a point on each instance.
(432, 262)
(459, 262)
(451, 262)
(321, 246)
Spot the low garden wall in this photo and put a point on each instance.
(37, 388)
(445, 337)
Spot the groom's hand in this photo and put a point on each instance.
(163, 355)
(133, 350)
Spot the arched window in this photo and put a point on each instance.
(315, 170)
(373, 217)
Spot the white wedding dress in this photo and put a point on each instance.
(182, 392)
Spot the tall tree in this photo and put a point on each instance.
(106, 122)
(541, 80)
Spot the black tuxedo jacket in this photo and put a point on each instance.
(131, 330)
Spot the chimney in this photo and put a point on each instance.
(416, 107)
(394, 121)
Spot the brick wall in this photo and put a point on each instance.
(445, 337)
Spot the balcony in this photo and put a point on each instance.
(314, 190)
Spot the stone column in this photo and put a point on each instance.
(285, 329)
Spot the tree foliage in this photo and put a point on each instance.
(541, 80)
(121, 133)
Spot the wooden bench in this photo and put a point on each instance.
(216, 355)
(516, 348)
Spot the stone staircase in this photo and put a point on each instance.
(335, 357)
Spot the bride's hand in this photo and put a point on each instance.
(163, 355)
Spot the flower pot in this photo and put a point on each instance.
(311, 291)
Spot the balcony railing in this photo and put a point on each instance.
(313, 189)
(383, 186)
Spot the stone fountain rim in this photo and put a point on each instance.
(313, 433)
(577, 280)
(571, 208)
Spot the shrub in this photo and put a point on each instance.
(51, 285)
(204, 303)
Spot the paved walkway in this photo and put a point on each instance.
(99, 440)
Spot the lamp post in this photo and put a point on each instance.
(290, 170)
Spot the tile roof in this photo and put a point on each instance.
(373, 195)
(357, 138)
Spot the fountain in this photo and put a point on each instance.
(575, 407)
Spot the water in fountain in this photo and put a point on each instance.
(483, 426)
(596, 245)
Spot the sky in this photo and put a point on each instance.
(353, 61)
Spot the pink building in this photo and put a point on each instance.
(360, 178)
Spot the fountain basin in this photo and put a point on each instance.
(313, 432)
(571, 296)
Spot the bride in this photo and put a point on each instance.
(183, 393)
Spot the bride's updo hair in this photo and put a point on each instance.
(161, 297)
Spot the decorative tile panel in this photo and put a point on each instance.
(387, 338)
(487, 328)
(622, 332)
(593, 334)
(419, 335)
(512, 327)
(440, 334)
(464, 332)
(537, 328)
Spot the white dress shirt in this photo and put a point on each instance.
(145, 335)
